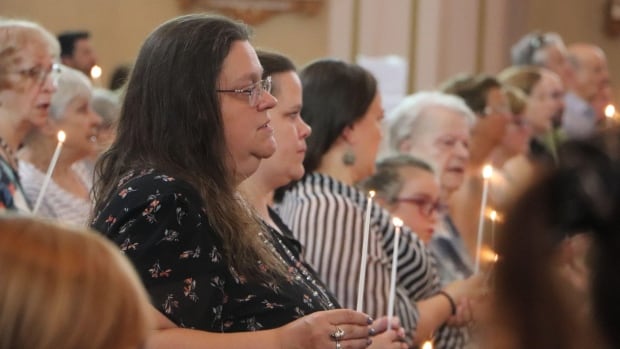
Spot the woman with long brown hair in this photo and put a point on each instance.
(193, 125)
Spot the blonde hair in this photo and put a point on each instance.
(522, 77)
(15, 35)
(65, 288)
(517, 99)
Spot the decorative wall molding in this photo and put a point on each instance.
(252, 12)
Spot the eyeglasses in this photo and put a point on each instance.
(254, 91)
(40, 74)
(490, 110)
(426, 206)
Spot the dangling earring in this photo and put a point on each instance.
(348, 158)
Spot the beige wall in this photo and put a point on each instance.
(118, 27)
(446, 37)
(576, 21)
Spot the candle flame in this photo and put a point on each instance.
(95, 72)
(610, 111)
(493, 215)
(487, 171)
(371, 194)
(427, 345)
(397, 222)
(488, 255)
(61, 136)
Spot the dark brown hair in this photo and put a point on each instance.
(336, 94)
(171, 121)
(474, 89)
(580, 196)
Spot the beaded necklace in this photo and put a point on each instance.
(302, 275)
(11, 158)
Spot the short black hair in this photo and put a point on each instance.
(67, 41)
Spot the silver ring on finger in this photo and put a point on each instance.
(337, 335)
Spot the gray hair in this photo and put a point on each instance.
(71, 83)
(403, 120)
(15, 34)
(529, 50)
(387, 180)
(107, 104)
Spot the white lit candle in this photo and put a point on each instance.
(398, 223)
(493, 216)
(487, 173)
(610, 111)
(363, 263)
(50, 169)
(95, 74)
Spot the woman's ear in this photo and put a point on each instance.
(348, 134)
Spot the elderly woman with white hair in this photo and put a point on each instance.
(435, 127)
(67, 198)
(27, 70)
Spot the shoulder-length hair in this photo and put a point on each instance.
(171, 121)
(336, 94)
(53, 279)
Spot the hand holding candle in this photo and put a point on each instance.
(398, 223)
(364, 258)
(487, 173)
(50, 169)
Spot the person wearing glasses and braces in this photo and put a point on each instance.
(167, 195)
(28, 54)
(408, 188)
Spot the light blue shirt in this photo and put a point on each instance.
(579, 118)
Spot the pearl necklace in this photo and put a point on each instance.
(10, 154)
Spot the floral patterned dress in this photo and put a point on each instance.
(11, 192)
(159, 223)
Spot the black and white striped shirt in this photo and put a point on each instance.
(327, 217)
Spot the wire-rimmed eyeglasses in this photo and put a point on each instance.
(254, 91)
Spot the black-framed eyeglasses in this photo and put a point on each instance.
(426, 206)
(254, 91)
(40, 74)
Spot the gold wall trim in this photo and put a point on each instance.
(252, 12)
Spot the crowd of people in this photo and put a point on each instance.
(227, 200)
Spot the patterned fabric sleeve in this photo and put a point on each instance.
(157, 223)
(8, 187)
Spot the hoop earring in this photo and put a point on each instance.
(348, 158)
